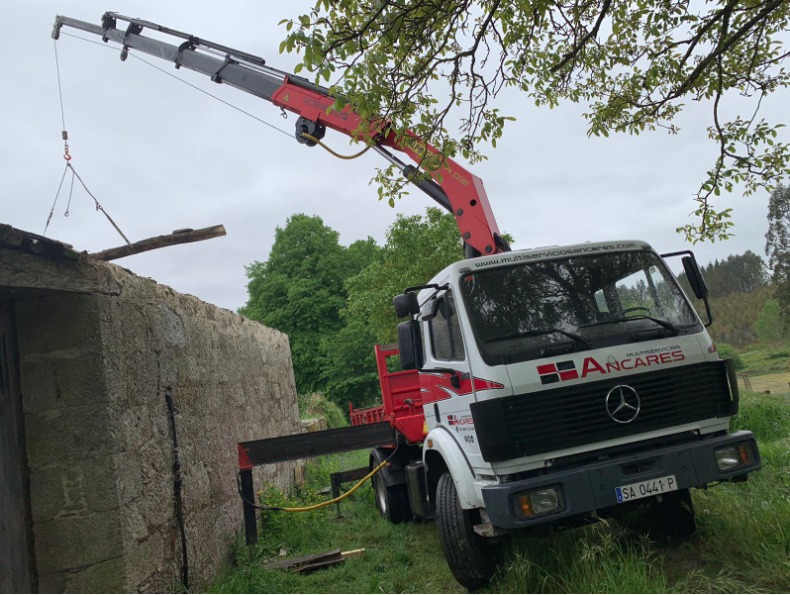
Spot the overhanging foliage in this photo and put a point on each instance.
(633, 64)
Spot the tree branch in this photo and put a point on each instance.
(577, 47)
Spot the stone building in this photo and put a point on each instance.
(89, 353)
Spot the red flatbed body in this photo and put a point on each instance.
(402, 400)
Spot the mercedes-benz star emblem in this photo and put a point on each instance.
(623, 404)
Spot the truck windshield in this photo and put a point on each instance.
(538, 309)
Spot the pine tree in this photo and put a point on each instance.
(777, 248)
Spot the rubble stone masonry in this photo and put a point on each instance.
(94, 368)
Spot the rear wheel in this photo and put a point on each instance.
(472, 559)
(392, 501)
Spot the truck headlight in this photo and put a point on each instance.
(539, 502)
(730, 458)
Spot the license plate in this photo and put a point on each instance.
(643, 489)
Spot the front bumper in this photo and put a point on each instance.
(591, 487)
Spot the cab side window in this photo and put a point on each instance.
(446, 331)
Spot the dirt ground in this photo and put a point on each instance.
(773, 383)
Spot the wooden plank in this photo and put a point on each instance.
(353, 553)
(180, 236)
(293, 563)
(308, 568)
(311, 563)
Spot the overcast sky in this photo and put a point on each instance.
(161, 156)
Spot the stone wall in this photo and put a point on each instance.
(95, 367)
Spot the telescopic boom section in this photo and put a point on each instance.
(453, 187)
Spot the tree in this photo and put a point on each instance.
(739, 273)
(416, 249)
(735, 316)
(738, 293)
(349, 365)
(768, 325)
(300, 291)
(633, 63)
(777, 248)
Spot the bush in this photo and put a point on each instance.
(768, 416)
(316, 405)
(768, 326)
(729, 352)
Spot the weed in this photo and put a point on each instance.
(317, 405)
(768, 416)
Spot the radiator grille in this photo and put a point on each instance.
(543, 421)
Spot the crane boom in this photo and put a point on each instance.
(452, 186)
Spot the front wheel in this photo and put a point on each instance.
(472, 559)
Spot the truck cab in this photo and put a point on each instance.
(564, 384)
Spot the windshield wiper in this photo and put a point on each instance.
(545, 331)
(658, 321)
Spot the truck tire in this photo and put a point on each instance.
(673, 517)
(392, 501)
(472, 559)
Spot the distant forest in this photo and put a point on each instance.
(742, 301)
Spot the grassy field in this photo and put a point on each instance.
(763, 359)
(772, 383)
(742, 543)
(766, 368)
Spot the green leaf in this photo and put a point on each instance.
(417, 65)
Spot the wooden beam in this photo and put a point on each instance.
(308, 564)
(179, 236)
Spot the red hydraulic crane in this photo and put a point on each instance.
(452, 186)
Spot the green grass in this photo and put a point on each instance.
(402, 558)
(762, 359)
(742, 543)
(312, 405)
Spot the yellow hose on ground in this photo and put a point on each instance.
(339, 498)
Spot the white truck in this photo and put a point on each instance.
(583, 385)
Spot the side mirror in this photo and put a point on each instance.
(406, 304)
(695, 279)
(694, 276)
(410, 345)
(433, 309)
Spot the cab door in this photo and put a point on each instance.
(445, 372)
